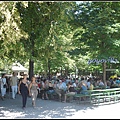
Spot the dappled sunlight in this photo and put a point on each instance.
(48, 109)
(10, 114)
(62, 111)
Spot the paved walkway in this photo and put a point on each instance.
(49, 109)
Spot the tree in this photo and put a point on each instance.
(99, 33)
(37, 20)
(10, 32)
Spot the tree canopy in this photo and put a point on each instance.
(59, 34)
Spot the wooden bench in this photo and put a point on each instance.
(105, 94)
(95, 96)
(82, 98)
(70, 97)
(53, 95)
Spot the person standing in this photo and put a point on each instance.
(33, 90)
(3, 84)
(14, 84)
(23, 90)
(44, 89)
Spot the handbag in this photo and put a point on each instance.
(4, 86)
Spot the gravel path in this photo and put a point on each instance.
(49, 109)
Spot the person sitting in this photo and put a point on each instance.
(88, 83)
(91, 86)
(50, 89)
(117, 81)
(70, 90)
(113, 83)
(101, 84)
(83, 90)
(75, 84)
(60, 89)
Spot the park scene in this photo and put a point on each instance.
(59, 59)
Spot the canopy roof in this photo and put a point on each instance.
(18, 68)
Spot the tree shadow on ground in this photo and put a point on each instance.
(44, 109)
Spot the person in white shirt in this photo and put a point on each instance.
(101, 83)
(57, 88)
(3, 84)
(75, 84)
(88, 83)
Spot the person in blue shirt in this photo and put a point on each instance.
(83, 90)
(117, 81)
(63, 86)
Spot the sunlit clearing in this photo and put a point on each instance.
(9, 114)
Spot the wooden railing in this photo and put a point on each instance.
(95, 96)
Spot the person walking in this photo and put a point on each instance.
(33, 90)
(23, 90)
(14, 84)
(3, 84)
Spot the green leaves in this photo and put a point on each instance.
(51, 30)
(101, 27)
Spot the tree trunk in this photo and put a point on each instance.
(31, 62)
(31, 68)
(66, 71)
(49, 69)
(104, 73)
(61, 71)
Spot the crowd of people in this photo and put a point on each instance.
(42, 86)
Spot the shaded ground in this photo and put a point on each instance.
(49, 109)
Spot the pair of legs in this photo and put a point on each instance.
(24, 99)
(44, 94)
(34, 94)
(3, 92)
(58, 91)
(84, 93)
(14, 91)
(61, 94)
(69, 93)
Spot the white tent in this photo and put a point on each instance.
(18, 68)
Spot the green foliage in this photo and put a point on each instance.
(45, 25)
(10, 32)
(64, 33)
(99, 23)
